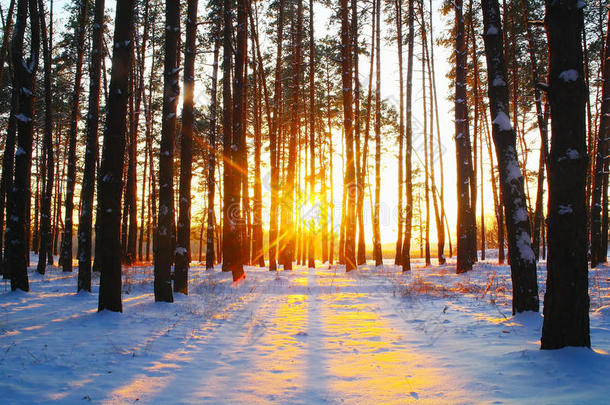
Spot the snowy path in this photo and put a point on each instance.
(310, 336)
(306, 336)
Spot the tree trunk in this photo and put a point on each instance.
(406, 246)
(312, 136)
(211, 182)
(598, 255)
(18, 199)
(47, 164)
(66, 249)
(111, 169)
(287, 247)
(164, 242)
(91, 152)
(376, 232)
(346, 73)
(232, 127)
(273, 143)
(566, 301)
(183, 246)
(465, 242)
(401, 131)
(522, 260)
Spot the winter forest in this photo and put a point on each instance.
(304, 201)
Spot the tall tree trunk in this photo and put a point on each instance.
(183, 246)
(376, 232)
(346, 73)
(211, 182)
(273, 143)
(232, 127)
(66, 249)
(597, 253)
(47, 164)
(18, 200)
(164, 241)
(401, 131)
(522, 260)
(287, 248)
(312, 136)
(361, 253)
(466, 244)
(566, 301)
(91, 152)
(141, 97)
(424, 40)
(406, 246)
(111, 169)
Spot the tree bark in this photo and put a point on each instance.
(111, 168)
(406, 246)
(209, 253)
(91, 152)
(597, 254)
(566, 301)
(273, 143)
(465, 225)
(24, 72)
(522, 260)
(376, 231)
(183, 246)
(351, 188)
(66, 249)
(164, 242)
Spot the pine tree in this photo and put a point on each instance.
(164, 242)
(24, 72)
(110, 185)
(522, 260)
(91, 151)
(183, 246)
(66, 248)
(566, 301)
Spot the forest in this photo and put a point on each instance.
(197, 151)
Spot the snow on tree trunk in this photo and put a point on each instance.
(566, 301)
(19, 194)
(91, 152)
(164, 242)
(110, 184)
(183, 245)
(522, 259)
(465, 232)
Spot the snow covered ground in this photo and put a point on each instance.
(307, 336)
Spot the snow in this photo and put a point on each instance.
(502, 121)
(492, 30)
(565, 209)
(307, 336)
(498, 82)
(520, 215)
(512, 167)
(23, 118)
(570, 75)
